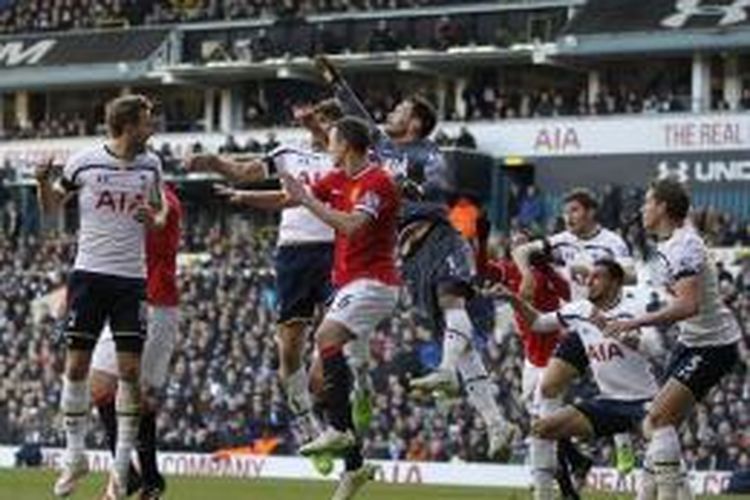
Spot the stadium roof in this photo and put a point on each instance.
(630, 27)
(93, 57)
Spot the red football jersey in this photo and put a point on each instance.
(550, 290)
(161, 255)
(370, 252)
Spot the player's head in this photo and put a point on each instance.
(579, 211)
(129, 117)
(327, 112)
(349, 139)
(667, 201)
(412, 119)
(605, 280)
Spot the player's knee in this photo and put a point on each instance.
(103, 388)
(129, 367)
(542, 429)
(331, 335)
(77, 364)
(655, 419)
(449, 298)
(549, 389)
(150, 398)
(290, 339)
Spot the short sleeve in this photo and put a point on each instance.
(375, 197)
(578, 310)
(687, 259)
(71, 180)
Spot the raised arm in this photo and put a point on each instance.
(235, 170)
(262, 200)
(51, 194)
(345, 94)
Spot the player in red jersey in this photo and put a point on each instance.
(163, 318)
(361, 202)
(534, 278)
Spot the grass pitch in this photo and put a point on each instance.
(36, 485)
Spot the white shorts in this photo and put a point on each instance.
(361, 305)
(157, 350)
(530, 379)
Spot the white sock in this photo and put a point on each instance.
(685, 490)
(74, 404)
(456, 339)
(299, 400)
(543, 453)
(647, 484)
(479, 389)
(127, 404)
(358, 358)
(664, 454)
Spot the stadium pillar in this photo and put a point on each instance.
(442, 96)
(231, 113)
(732, 81)
(225, 111)
(460, 102)
(701, 83)
(209, 109)
(594, 87)
(22, 108)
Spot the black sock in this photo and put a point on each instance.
(147, 448)
(353, 458)
(567, 489)
(337, 379)
(108, 416)
(575, 458)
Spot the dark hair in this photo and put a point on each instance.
(674, 195)
(330, 109)
(355, 131)
(614, 269)
(425, 113)
(125, 110)
(583, 196)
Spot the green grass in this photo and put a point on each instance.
(36, 485)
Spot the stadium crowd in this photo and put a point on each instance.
(60, 15)
(478, 103)
(223, 390)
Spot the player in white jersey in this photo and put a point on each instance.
(584, 242)
(118, 185)
(621, 372)
(574, 252)
(304, 249)
(709, 333)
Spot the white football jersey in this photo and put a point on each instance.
(685, 254)
(298, 224)
(619, 371)
(110, 240)
(569, 250)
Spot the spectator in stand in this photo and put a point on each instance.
(382, 38)
(531, 209)
(745, 99)
(465, 139)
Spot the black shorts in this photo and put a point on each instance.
(701, 368)
(303, 279)
(442, 261)
(571, 350)
(609, 416)
(95, 299)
